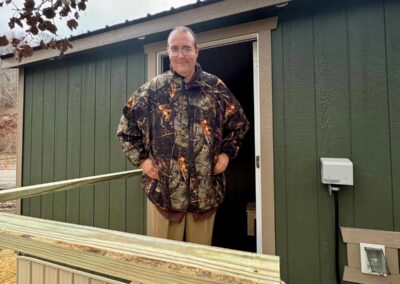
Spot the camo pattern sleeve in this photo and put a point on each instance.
(133, 127)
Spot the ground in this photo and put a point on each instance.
(7, 267)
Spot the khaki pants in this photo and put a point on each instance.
(199, 232)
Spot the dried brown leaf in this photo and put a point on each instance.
(15, 42)
(4, 41)
(50, 27)
(26, 50)
(82, 6)
(65, 11)
(11, 23)
(34, 30)
(72, 24)
(49, 12)
(29, 5)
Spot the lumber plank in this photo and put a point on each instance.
(139, 259)
(35, 190)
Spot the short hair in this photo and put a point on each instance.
(183, 29)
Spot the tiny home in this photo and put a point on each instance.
(315, 78)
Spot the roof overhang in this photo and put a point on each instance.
(152, 26)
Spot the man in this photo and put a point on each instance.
(182, 128)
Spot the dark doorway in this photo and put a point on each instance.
(233, 63)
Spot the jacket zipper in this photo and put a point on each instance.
(190, 146)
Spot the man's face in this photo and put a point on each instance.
(182, 53)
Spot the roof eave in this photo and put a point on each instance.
(154, 25)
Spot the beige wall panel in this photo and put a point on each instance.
(79, 279)
(23, 271)
(94, 281)
(50, 275)
(65, 277)
(392, 259)
(37, 273)
(353, 255)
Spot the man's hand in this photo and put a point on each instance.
(149, 169)
(221, 164)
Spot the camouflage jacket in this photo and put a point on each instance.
(182, 128)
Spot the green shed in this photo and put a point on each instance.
(316, 79)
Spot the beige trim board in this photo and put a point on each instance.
(353, 237)
(356, 236)
(162, 24)
(20, 130)
(261, 32)
(354, 275)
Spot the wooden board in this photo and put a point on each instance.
(36, 190)
(134, 257)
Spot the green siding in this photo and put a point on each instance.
(118, 160)
(86, 200)
(102, 141)
(73, 138)
(48, 142)
(135, 198)
(392, 16)
(369, 117)
(335, 94)
(72, 109)
(300, 138)
(36, 148)
(61, 129)
(332, 115)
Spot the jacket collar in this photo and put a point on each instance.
(179, 79)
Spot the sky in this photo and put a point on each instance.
(100, 13)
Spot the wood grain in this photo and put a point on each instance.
(36, 190)
(134, 257)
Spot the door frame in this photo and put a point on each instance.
(260, 32)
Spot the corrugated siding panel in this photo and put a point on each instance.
(118, 160)
(72, 109)
(49, 114)
(73, 138)
(34, 271)
(135, 199)
(86, 198)
(336, 94)
(300, 137)
(369, 117)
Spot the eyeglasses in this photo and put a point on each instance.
(186, 50)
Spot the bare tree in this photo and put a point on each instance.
(38, 16)
(8, 110)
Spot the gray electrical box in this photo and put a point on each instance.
(336, 171)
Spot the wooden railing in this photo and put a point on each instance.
(136, 258)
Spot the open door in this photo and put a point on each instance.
(241, 56)
(234, 64)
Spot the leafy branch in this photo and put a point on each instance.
(36, 16)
